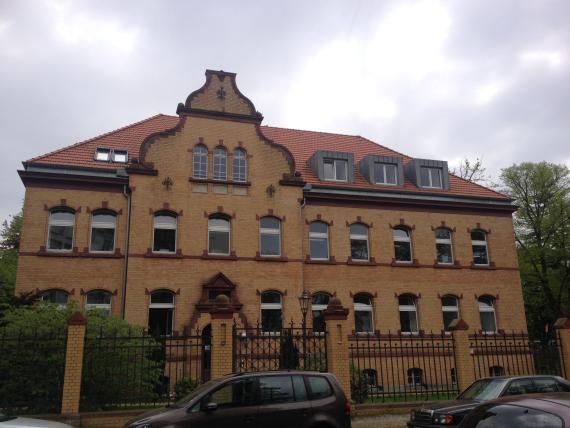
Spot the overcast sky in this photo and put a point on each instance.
(432, 79)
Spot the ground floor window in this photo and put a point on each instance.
(363, 320)
(415, 377)
(99, 299)
(319, 303)
(161, 312)
(57, 297)
(271, 311)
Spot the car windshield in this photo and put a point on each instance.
(185, 400)
(484, 389)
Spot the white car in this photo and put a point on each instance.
(18, 422)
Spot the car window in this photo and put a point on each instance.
(319, 387)
(564, 386)
(546, 385)
(520, 386)
(299, 388)
(484, 389)
(233, 394)
(508, 416)
(276, 389)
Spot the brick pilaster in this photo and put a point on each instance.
(464, 372)
(73, 365)
(222, 341)
(562, 325)
(338, 358)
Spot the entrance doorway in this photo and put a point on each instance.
(207, 353)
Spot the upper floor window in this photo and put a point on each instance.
(269, 236)
(57, 297)
(319, 240)
(111, 155)
(271, 311)
(220, 163)
(408, 314)
(164, 233)
(103, 155)
(200, 162)
(359, 242)
(319, 302)
(120, 156)
(450, 309)
(103, 226)
(363, 318)
(487, 314)
(443, 246)
(431, 177)
(402, 245)
(479, 245)
(335, 169)
(161, 312)
(385, 173)
(61, 225)
(99, 299)
(218, 235)
(240, 165)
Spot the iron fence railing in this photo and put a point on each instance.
(32, 366)
(140, 370)
(402, 367)
(287, 348)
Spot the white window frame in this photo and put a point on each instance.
(270, 306)
(485, 308)
(384, 165)
(102, 151)
(475, 242)
(319, 235)
(103, 306)
(407, 239)
(163, 306)
(364, 307)
(65, 223)
(220, 152)
(447, 241)
(410, 308)
(239, 154)
(116, 153)
(269, 231)
(320, 308)
(447, 308)
(200, 159)
(168, 227)
(359, 237)
(430, 171)
(334, 161)
(220, 229)
(104, 225)
(59, 305)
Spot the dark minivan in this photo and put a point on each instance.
(280, 399)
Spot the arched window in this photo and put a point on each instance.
(57, 297)
(200, 162)
(99, 299)
(161, 312)
(363, 318)
(220, 163)
(164, 233)
(240, 165)
(450, 309)
(270, 237)
(408, 313)
(443, 246)
(103, 225)
(479, 245)
(319, 302)
(402, 245)
(271, 311)
(218, 235)
(487, 314)
(319, 240)
(415, 376)
(60, 230)
(359, 250)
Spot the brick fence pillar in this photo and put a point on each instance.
(464, 372)
(338, 357)
(73, 366)
(562, 325)
(222, 341)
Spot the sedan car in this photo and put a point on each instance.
(536, 411)
(450, 413)
(18, 422)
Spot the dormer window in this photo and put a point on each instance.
(335, 169)
(103, 155)
(120, 156)
(431, 177)
(386, 173)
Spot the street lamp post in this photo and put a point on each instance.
(304, 304)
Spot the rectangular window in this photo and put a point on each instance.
(385, 173)
(60, 237)
(120, 156)
(103, 233)
(103, 155)
(431, 177)
(408, 321)
(270, 320)
(276, 389)
(165, 240)
(336, 169)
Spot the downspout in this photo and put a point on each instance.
(302, 233)
(126, 194)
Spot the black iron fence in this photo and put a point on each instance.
(32, 368)
(288, 348)
(500, 354)
(139, 370)
(402, 367)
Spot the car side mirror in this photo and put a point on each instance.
(210, 407)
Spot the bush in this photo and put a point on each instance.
(358, 384)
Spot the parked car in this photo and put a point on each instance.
(536, 411)
(450, 413)
(278, 399)
(19, 422)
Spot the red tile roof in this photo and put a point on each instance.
(301, 144)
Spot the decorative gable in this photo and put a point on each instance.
(218, 284)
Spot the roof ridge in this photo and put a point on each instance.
(307, 130)
(96, 138)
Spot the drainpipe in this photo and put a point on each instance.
(126, 194)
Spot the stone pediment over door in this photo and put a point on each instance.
(218, 284)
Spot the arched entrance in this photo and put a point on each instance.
(206, 353)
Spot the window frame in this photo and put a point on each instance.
(364, 307)
(72, 225)
(447, 308)
(430, 169)
(412, 374)
(218, 151)
(319, 235)
(335, 174)
(175, 228)
(106, 307)
(236, 157)
(318, 308)
(219, 229)
(406, 308)
(171, 306)
(108, 213)
(384, 165)
(269, 231)
(407, 240)
(489, 308)
(444, 241)
(271, 307)
(198, 159)
(475, 242)
(55, 290)
(359, 237)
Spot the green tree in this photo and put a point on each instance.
(542, 228)
(9, 245)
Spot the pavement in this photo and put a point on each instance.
(381, 421)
